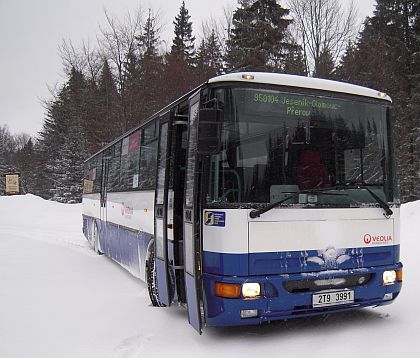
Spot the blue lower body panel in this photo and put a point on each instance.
(125, 246)
(273, 263)
(278, 301)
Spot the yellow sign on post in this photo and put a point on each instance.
(87, 186)
(12, 184)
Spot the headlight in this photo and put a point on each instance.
(250, 290)
(389, 277)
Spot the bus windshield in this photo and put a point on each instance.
(277, 143)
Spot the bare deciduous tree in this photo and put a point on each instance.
(86, 59)
(21, 139)
(71, 57)
(118, 41)
(119, 44)
(93, 61)
(12, 143)
(323, 27)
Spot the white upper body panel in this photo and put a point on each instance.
(289, 229)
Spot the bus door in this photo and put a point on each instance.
(161, 210)
(103, 194)
(192, 246)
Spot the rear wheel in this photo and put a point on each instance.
(152, 279)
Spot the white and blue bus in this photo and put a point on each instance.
(255, 197)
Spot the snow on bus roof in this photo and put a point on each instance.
(281, 79)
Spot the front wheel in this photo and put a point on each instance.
(152, 279)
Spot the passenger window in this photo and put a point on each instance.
(150, 132)
(130, 156)
(114, 168)
(93, 174)
(148, 158)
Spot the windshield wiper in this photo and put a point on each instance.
(383, 204)
(256, 213)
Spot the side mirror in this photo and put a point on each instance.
(209, 131)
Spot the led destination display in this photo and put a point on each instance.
(291, 105)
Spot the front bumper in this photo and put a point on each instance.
(278, 303)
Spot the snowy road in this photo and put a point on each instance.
(58, 299)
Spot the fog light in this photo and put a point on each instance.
(388, 296)
(251, 289)
(389, 277)
(249, 313)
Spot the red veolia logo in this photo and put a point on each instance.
(376, 239)
(367, 239)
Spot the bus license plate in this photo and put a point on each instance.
(332, 298)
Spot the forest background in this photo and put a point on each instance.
(128, 76)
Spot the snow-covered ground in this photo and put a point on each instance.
(58, 299)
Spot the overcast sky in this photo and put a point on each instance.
(31, 30)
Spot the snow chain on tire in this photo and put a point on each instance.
(152, 280)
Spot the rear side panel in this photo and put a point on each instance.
(126, 234)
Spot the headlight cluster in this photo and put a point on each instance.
(392, 276)
(234, 290)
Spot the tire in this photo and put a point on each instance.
(95, 239)
(152, 279)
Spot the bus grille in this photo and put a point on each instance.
(319, 283)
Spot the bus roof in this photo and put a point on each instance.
(280, 79)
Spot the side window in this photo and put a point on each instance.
(97, 173)
(130, 155)
(87, 181)
(92, 175)
(148, 157)
(114, 168)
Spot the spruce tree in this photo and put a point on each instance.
(130, 92)
(107, 117)
(149, 39)
(395, 22)
(64, 141)
(180, 73)
(258, 38)
(294, 63)
(209, 57)
(384, 57)
(150, 67)
(67, 167)
(183, 42)
(414, 104)
(27, 164)
(324, 67)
